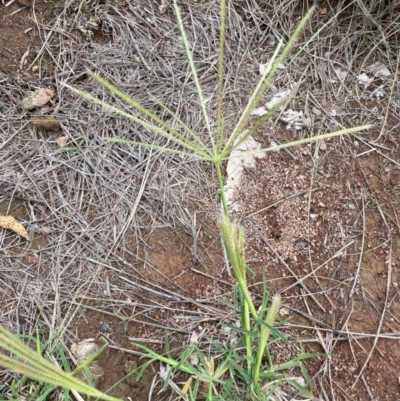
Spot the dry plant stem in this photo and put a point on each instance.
(135, 205)
(322, 264)
(383, 312)
(282, 200)
(222, 190)
(356, 277)
(317, 329)
(392, 89)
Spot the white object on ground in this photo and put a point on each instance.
(379, 70)
(364, 79)
(293, 118)
(264, 66)
(237, 164)
(260, 111)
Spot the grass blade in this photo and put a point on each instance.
(266, 80)
(302, 141)
(220, 86)
(194, 74)
(172, 135)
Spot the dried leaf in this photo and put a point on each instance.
(62, 141)
(48, 123)
(37, 99)
(10, 223)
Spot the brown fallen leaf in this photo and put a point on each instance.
(10, 223)
(48, 123)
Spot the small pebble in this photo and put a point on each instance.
(322, 146)
(105, 327)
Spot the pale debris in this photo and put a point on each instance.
(379, 70)
(364, 79)
(277, 98)
(37, 99)
(260, 111)
(379, 92)
(341, 76)
(263, 68)
(82, 351)
(293, 119)
(236, 165)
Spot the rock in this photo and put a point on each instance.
(105, 327)
(37, 99)
(62, 141)
(323, 146)
(130, 368)
(82, 351)
(306, 122)
(48, 123)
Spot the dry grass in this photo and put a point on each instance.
(86, 206)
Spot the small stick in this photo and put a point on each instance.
(194, 235)
(135, 205)
(208, 79)
(362, 249)
(282, 200)
(11, 97)
(28, 155)
(22, 198)
(388, 282)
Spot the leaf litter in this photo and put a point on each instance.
(10, 223)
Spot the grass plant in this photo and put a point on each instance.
(241, 370)
(37, 365)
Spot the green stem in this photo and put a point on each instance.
(264, 334)
(222, 189)
(246, 326)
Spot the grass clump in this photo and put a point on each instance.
(36, 365)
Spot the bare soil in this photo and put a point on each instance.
(321, 220)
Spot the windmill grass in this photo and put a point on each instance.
(217, 149)
(232, 369)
